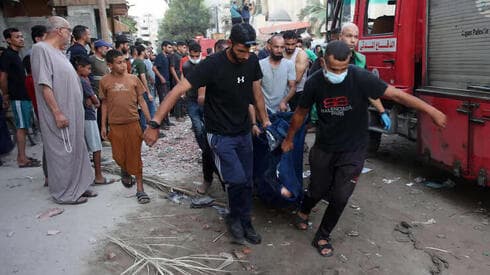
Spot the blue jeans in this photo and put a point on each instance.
(151, 109)
(196, 113)
(233, 157)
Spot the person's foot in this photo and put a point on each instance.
(203, 188)
(323, 246)
(301, 221)
(235, 230)
(286, 193)
(250, 234)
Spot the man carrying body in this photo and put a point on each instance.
(81, 34)
(340, 93)
(300, 59)
(12, 83)
(232, 80)
(61, 116)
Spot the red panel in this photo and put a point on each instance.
(480, 137)
(449, 145)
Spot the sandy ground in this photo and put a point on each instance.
(450, 225)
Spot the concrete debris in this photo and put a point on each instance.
(10, 234)
(343, 258)
(50, 213)
(390, 181)
(53, 232)
(436, 185)
(352, 233)
(428, 222)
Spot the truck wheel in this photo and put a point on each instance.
(373, 144)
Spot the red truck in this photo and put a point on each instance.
(438, 50)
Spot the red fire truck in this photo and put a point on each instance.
(438, 50)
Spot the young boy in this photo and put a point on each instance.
(90, 103)
(121, 93)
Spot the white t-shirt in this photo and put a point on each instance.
(275, 81)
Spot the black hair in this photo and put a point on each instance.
(139, 49)
(289, 35)
(243, 33)
(165, 43)
(181, 43)
(38, 31)
(219, 45)
(78, 31)
(119, 43)
(7, 33)
(194, 47)
(339, 50)
(79, 60)
(111, 55)
(27, 64)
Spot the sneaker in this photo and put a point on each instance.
(235, 229)
(250, 234)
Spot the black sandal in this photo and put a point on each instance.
(321, 247)
(142, 197)
(127, 180)
(298, 221)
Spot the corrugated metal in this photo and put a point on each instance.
(459, 43)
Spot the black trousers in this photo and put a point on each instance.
(333, 175)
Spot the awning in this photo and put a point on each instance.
(284, 27)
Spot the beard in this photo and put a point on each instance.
(276, 57)
(238, 60)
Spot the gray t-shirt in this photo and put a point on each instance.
(275, 81)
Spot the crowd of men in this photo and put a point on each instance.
(99, 91)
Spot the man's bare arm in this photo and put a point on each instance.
(377, 104)
(260, 103)
(171, 99)
(159, 75)
(103, 127)
(301, 65)
(416, 103)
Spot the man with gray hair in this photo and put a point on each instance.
(61, 116)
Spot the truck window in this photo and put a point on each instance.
(380, 17)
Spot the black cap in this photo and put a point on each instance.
(243, 33)
(122, 38)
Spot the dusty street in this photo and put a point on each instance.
(448, 228)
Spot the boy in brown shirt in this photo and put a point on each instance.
(121, 93)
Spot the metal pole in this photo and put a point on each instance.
(104, 27)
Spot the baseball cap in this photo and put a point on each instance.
(122, 38)
(102, 43)
(243, 33)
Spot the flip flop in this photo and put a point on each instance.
(78, 201)
(298, 221)
(142, 197)
(106, 182)
(127, 180)
(90, 194)
(30, 164)
(321, 247)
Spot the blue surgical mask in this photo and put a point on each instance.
(335, 78)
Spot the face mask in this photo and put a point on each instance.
(195, 61)
(335, 78)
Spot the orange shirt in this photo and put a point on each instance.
(121, 97)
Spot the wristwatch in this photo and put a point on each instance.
(153, 124)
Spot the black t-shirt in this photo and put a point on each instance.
(76, 49)
(342, 108)
(11, 64)
(228, 92)
(187, 69)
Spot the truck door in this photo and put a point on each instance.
(377, 36)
